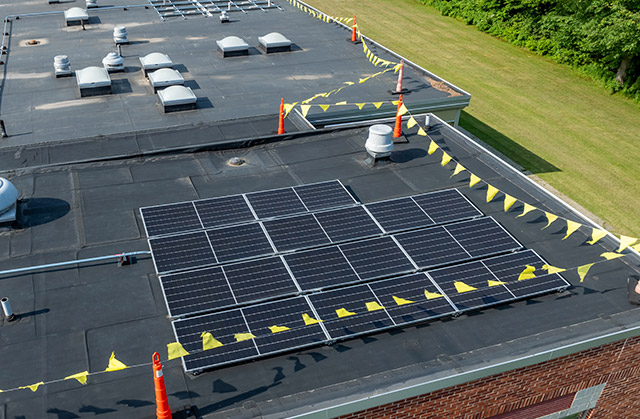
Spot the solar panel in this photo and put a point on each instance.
(399, 214)
(239, 242)
(508, 268)
(275, 203)
(331, 194)
(259, 279)
(227, 210)
(347, 224)
(196, 291)
(297, 232)
(320, 268)
(350, 311)
(377, 258)
(411, 298)
(447, 206)
(248, 333)
(169, 219)
(483, 237)
(173, 253)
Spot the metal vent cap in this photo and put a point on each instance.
(380, 141)
(8, 195)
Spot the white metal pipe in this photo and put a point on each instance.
(73, 262)
(6, 308)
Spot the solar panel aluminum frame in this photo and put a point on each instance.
(515, 298)
(245, 196)
(196, 371)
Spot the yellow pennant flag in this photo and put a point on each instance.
(81, 377)
(508, 202)
(491, 192)
(360, 105)
(348, 83)
(527, 209)
(209, 342)
(377, 104)
(432, 295)
(552, 269)
(343, 312)
(611, 255)
(626, 241)
(244, 336)
(528, 273)
(344, 102)
(422, 132)
(395, 102)
(445, 159)
(462, 287)
(373, 306)
(363, 80)
(412, 122)
(432, 147)
(582, 271)
(572, 226)
(175, 350)
(596, 235)
(33, 387)
(278, 329)
(493, 283)
(288, 107)
(550, 219)
(473, 180)
(305, 109)
(308, 320)
(324, 107)
(636, 247)
(401, 301)
(459, 168)
(403, 109)
(114, 364)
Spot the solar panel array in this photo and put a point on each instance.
(283, 269)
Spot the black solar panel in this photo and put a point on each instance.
(196, 291)
(432, 247)
(293, 233)
(399, 214)
(377, 258)
(218, 212)
(368, 314)
(482, 237)
(259, 279)
(170, 219)
(411, 298)
(348, 224)
(446, 206)
(174, 253)
(320, 268)
(324, 195)
(276, 203)
(223, 326)
(239, 242)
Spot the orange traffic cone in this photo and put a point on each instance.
(354, 38)
(281, 118)
(399, 89)
(162, 403)
(397, 129)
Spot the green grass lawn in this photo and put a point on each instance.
(564, 128)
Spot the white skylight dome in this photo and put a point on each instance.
(93, 77)
(177, 95)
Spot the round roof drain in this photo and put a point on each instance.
(33, 42)
(235, 161)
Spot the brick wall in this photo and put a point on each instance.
(616, 364)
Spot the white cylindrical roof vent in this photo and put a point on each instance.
(380, 141)
(61, 63)
(8, 196)
(91, 3)
(120, 35)
(113, 62)
(427, 120)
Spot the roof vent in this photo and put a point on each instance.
(379, 145)
(120, 35)
(232, 46)
(93, 81)
(113, 62)
(154, 61)
(91, 4)
(177, 98)
(224, 17)
(62, 66)
(274, 42)
(8, 200)
(165, 77)
(76, 16)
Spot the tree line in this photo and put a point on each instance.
(601, 38)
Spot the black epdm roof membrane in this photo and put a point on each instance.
(85, 167)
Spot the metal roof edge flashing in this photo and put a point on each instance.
(466, 376)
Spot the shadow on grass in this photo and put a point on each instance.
(506, 145)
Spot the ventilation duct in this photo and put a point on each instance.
(120, 35)
(8, 201)
(113, 62)
(379, 145)
(91, 4)
(62, 66)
